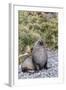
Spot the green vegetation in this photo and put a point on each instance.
(35, 25)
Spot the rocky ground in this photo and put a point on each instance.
(52, 71)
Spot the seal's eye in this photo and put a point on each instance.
(41, 43)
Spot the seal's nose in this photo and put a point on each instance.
(41, 42)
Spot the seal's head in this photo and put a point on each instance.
(39, 43)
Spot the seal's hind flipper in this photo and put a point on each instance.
(45, 66)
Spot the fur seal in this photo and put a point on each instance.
(27, 65)
(39, 55)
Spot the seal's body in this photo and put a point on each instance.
(39, 55)
(27, 65)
